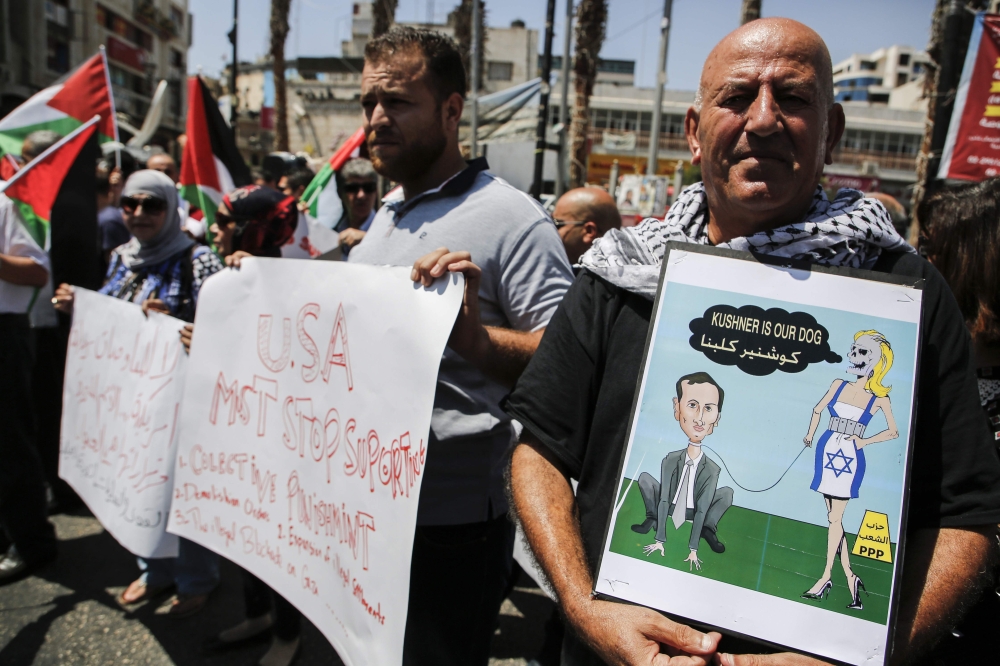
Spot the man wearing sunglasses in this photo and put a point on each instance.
(583, 215)
(357, 183)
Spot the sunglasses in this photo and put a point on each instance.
(354, 188)
(151, 205)
(567, 223)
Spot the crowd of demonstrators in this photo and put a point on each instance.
(763, 125)
(412, 94)
(357, 184)
(583, 215)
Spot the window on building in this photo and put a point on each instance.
(904, 59)
(57, 55)
(174, 100)
(119, 77)
(867, 66)
(499, 71)
(879, 98)
(177, 18)
(918, 67)
(176, 59)
(901, 79)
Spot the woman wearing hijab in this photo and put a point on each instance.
(256, 221)
(161, 269)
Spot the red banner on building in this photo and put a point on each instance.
(125, 54)
(972, 150)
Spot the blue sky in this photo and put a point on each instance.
(318, 26)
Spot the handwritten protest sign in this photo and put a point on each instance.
(304, 436)
(121, 406)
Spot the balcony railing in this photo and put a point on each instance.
(668, 142)
(889, 161)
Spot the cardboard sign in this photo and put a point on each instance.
(304, 436)
(120, 418)
(768, 452)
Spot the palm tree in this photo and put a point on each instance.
(750, 11)
(460, 19)
(383, 16)
(591, 20)
(279, 31)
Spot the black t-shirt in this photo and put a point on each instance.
(576, 396)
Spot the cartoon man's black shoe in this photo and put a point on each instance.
(644, 526)
(713, 541)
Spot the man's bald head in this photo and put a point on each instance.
(764, 126)
(583, 214)
(769, 37)
(163, 163)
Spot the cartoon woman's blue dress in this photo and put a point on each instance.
(840, 465)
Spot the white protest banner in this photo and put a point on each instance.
(304, 436)
(121, 406)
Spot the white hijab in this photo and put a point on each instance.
(170, 240)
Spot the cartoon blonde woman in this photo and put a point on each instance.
(840, 456)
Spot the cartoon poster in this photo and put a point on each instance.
(763, 484)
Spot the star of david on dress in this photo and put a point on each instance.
(844, 468)
(680, 506)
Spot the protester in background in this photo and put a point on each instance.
(110, 222)
(24, 269)
(294, 183)
(357, 184)
(763, 125)
(160, 269)
(166, 165)
(412, 93)
(961, 236)
(582, 215)
(256, 221)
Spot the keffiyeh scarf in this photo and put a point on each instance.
(850, 231)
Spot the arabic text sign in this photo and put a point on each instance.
(759, 342)
(121, 405)
(304, 434)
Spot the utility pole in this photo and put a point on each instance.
(750, 11)
(661, 80)
(474, 92)
(543, 103)
(563, 172)
(232, 70)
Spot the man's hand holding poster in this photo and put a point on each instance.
(763, 486)
(121, 405)
(304, 433)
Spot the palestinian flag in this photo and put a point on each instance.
(36, 186)
(321, 195)
(64, 107)
(211, 166)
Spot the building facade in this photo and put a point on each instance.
(873, 78)
(145, 40)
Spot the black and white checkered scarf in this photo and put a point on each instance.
(849, 231)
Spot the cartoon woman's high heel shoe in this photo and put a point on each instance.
(858, 586)
(823, 591)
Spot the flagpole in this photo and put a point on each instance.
(111, 102)
(48, 151)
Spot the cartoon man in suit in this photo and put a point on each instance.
(688, 486)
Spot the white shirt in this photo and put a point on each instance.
(17, 242)
(692, 473)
